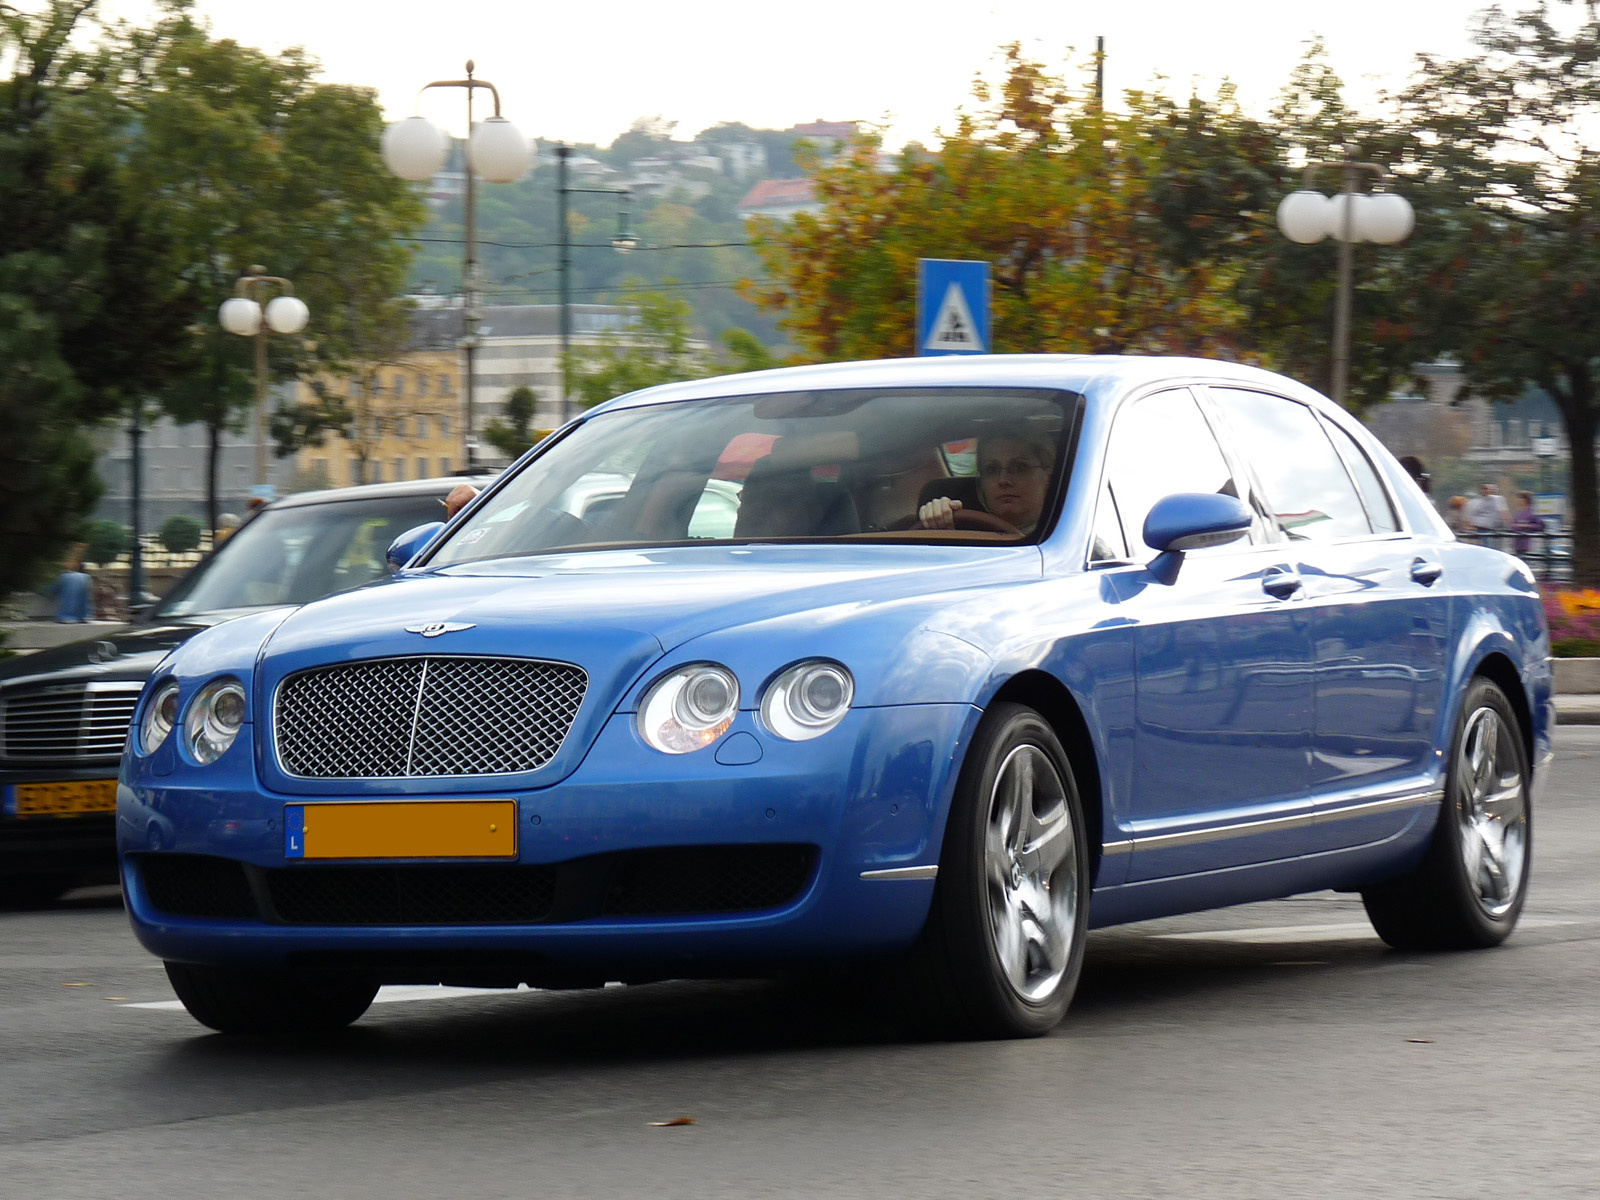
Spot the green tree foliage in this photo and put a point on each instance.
(516, 433)
(92, 317)
(105, 541)
(1052, 190)
(246, 159)
(180, 533)
(1505, 154)
(658, 347)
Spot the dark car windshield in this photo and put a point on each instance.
(294, 555)
(827, 465)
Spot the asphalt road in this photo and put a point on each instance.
(1275, 1050)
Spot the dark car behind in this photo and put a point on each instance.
(64, 712)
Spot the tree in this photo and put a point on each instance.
(1057, 194)
(180, 533)
(515, 434)
(1504, 149)
(247, 159)
(92, 317)
(105, 541)
(657, 347)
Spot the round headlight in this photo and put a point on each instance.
(807, 700)
(214, 719)
(689, 708)
(160, 715)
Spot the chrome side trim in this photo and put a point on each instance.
(1110, 848)
(894, 873)
(1195, 837)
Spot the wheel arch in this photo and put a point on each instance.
(1502, 672)
(1051, 699)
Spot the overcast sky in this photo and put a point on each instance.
(584, 71)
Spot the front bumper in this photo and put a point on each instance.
(869, 796)
(49, 843)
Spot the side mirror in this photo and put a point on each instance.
(1192, 521)
(411, 543)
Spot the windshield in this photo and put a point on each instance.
(808, 466)
(294, 555)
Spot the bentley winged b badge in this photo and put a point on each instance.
(435, 628)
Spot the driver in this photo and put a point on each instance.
(1013, 476)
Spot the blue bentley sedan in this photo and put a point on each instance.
(934, 664)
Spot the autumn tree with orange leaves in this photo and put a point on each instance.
(1058, 194)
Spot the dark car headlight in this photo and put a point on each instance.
(160, 715)
(215, 717)
(807, 700)
(689, 708)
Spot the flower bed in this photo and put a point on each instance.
(1574, 623)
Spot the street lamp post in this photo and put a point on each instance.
(416, 149)
(622, 243)
(1352, 216)
(246, 316)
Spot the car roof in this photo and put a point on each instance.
(376, 491)
(1083, 373)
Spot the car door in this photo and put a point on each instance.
(1223, 703)
(1378, 620)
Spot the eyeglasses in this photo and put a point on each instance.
(1016, 468)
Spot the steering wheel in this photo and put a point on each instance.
(974, 519)
(983, 522)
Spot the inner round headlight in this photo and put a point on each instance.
(807, 700)
(214, 719)
(160, 715)
(689, 708)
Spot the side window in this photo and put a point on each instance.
(1109, 544)
(1161, 444)
(1379, 511)
(1304, 478)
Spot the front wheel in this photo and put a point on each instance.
(1003, 947)
(238, 1000)
(1469, 888)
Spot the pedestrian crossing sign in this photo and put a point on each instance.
(952, 307)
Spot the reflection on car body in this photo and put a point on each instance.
(652, 741)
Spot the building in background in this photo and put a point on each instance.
(174, 471)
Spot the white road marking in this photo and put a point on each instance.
(1336, 932)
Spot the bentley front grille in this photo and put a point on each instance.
(74, 724)
(431, 717)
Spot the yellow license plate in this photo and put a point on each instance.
(402, 829)
(67, 799)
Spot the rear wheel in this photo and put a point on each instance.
(1003, 947)
(238, 1000)
(1469, 888)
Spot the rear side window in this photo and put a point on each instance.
(1161, 444)
(1303, 476)
(1379, 510)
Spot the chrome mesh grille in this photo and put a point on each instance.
(67, 723)
(404, 717)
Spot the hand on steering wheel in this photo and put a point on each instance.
(944, 513)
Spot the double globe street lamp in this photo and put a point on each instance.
(415, 149)
(1351, 216)
(247, 316)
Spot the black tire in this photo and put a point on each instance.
(237, 1000)
(1464, 894)
(957, 982)
(35, 891)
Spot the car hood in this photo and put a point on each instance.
(613, 613)
(669, 595)
(126, 652)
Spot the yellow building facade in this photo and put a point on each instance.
(407, 423)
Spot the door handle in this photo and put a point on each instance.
(1426, 573)
(1280, 583)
